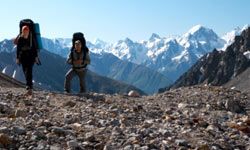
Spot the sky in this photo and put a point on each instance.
(113, 20)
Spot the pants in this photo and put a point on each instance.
(70, 74)
(27, 70)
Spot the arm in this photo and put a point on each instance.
(87, 59)
(18, 51)
(69, 59)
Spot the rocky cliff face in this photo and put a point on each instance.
(184, 118)
(219, 67)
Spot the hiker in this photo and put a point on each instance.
(26, 55)
(79, 59)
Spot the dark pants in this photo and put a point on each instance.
(70, 74)
(27, 70)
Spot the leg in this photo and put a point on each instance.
(81, 74)
(25, 71)
(30, 76)
(68, 77)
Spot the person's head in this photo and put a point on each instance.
(78, 45)
(25, 31)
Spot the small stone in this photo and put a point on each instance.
(69, 103)
(4, 130)
(72, 144)
(128, 147)
(181, 142)
(19, 130)
(58, 130)
(182, 105)
(20, 113)
(90, 137)
(203, 147)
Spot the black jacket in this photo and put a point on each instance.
(26, 52)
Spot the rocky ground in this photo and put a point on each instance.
(199, 117)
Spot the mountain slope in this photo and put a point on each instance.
(184, 118)
(6, 81)
(140, 76)
(241, 82)
(219, 67)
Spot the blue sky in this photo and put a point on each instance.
(112, 20)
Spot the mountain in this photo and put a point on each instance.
(50, 75)
(219, 67)
(140, 76)
(106, 64)
(229, 37)
(170, 56)
(59, 46)
(241, 82)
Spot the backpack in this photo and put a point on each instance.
(35, 36)
(34, 31)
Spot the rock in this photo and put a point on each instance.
(203, 124)
(4, 130)
(19, 130)
(5, 108)
(39, 135)
(98, 97)
(182, 105)
(203, 147)
(5, 139)
(72, 144)
(55, 147)
(58, 130)
(234, 106)
(69, 103)
(77, 126)
(181, 142)
(128, 147)
(21, 113)
(133, 94)
(90, 137)
(46, 123)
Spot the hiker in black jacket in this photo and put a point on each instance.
(79, 59)
(26, 55)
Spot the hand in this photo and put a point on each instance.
(17, 61)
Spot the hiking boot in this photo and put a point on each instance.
(66, 91)
(29, 92)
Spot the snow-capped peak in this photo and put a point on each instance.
(229, 37)
(99, 42)
(154, 36)
(195, 28)
(128, 41)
